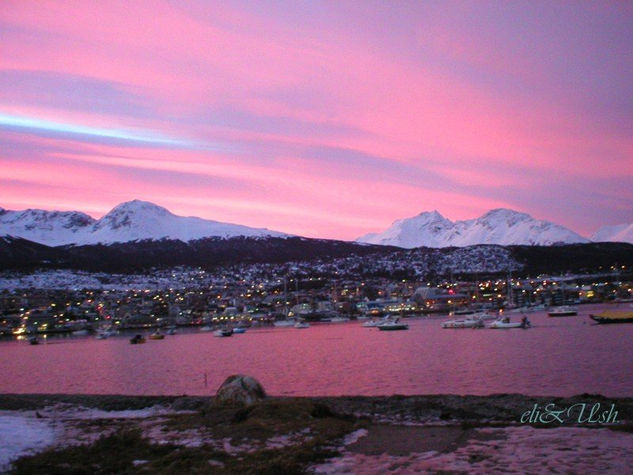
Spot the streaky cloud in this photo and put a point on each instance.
(38, 125)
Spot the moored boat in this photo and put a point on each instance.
(339, 319)
(505, 323)
(239, 330)
(464, 323)
(301, 325)
(284, 323)
(137, 339)
(157, 335)
(393, 325)
(563, 311)
(374, 322)
(223, 332)
(613, 316)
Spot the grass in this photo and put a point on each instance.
(314, 428)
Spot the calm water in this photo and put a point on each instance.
(559, 356)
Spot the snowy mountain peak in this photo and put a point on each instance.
(498, 226)
(405, 232)
(139, 206)
(131, 221)
(430, 217)
(505, 215)
(614, 233)
(132, 213)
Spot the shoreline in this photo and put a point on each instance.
(501, 406)
(397, 434)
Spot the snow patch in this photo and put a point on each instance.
(22, 434)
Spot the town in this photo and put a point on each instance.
(71, 301)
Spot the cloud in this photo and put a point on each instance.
(325, 118)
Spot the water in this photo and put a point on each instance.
(559, 356)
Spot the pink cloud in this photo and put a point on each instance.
(421, 94)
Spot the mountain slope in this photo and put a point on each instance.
(617, 233)
(131, 221)
(334, 257)
(499, 226)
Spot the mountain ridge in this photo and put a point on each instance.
(139, 220)
(129, 221)
(498, 226)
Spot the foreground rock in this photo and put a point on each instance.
(239, 390)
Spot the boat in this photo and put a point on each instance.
(171, 331)
(463, 311)
(137, 339)
(106, 332)
(206, 328)
(464, 323)
(82, 332)
(613, 316)
(284, 323)
(239, 330)
(157, 335)
(505, 323)
(33, 340)
(222, 332)
(302, 325)
(393, 325)
(485, 315)
(374, 322)
(563, 311)
(339, 319)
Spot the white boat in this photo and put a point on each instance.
(505, 323)
(222, 332)
(374, 322)
(563, 311)
(302, 325)
(339, 320)
(284, 323)
(464, 323)
(393, 325)
(106, 332)
(485, 315)
(206, 328)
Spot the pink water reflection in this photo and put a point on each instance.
(559, 356)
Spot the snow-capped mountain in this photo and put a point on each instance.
(130, 221)
(616, 233)
(428, 229)
(499, 226)
(47, 227)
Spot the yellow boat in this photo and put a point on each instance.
(613, 316)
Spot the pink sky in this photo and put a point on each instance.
(324, 119)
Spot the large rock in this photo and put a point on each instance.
(240, 390)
